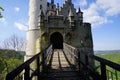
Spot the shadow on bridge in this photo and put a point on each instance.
(60, 67)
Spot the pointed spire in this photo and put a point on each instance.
(57, 5)
(52, 1)
(79, 10)
(68, 0)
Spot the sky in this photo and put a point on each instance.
(104, 15)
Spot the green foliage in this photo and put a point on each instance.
(114, 57)
(1, 9)
(7, 54)
(9, 60)
(2, 65)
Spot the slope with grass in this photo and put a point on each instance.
(113, 56)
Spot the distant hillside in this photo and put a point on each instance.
(107, 51)
(113, 55)
(7, 54)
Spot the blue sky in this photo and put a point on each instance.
(104, 15)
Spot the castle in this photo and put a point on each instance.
(52, 24)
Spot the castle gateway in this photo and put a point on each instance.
(56, 25)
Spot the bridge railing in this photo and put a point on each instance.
(108, 70)
(89, 71)
(48, 55)
(113, 74)
(71, 53)
(25, 68)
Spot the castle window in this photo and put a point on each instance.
(52, 7)
(48, 4)
(40, 6)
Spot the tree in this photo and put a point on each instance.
(14, 42)
(9, 60)
(1, 9)
(8, 66)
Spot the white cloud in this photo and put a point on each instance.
(92, 15)
(81, 2)
(20, 26)
(98, 13)
(111, 7)
(17, 9)
(3, 21)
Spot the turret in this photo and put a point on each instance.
(43, 3)
(71, 19)
(57, 8)
(52, 1)
(41, 19)
(80, 16)
(71, 15)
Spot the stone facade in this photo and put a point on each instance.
(44, 21)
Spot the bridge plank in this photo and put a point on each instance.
(60, 68)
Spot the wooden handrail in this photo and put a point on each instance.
(19, 69)
(70, 46)
(108, 63)
(25, 67)
(103, 62)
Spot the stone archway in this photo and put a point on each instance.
(56, 39)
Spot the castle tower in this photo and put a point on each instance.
(35, 6)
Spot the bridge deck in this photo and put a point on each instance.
(60, 68)
(65, 66)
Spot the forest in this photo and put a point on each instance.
(9, 60)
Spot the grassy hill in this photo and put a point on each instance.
(113, 55)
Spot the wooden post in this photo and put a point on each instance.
(86, 60)
(116, 75)
(79, 61)
(38, 68)
(103, 72)
(27, 73)
(86, 64)
(43, 60)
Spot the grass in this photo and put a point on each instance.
(113, 56)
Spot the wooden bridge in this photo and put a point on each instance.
(65, 64)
